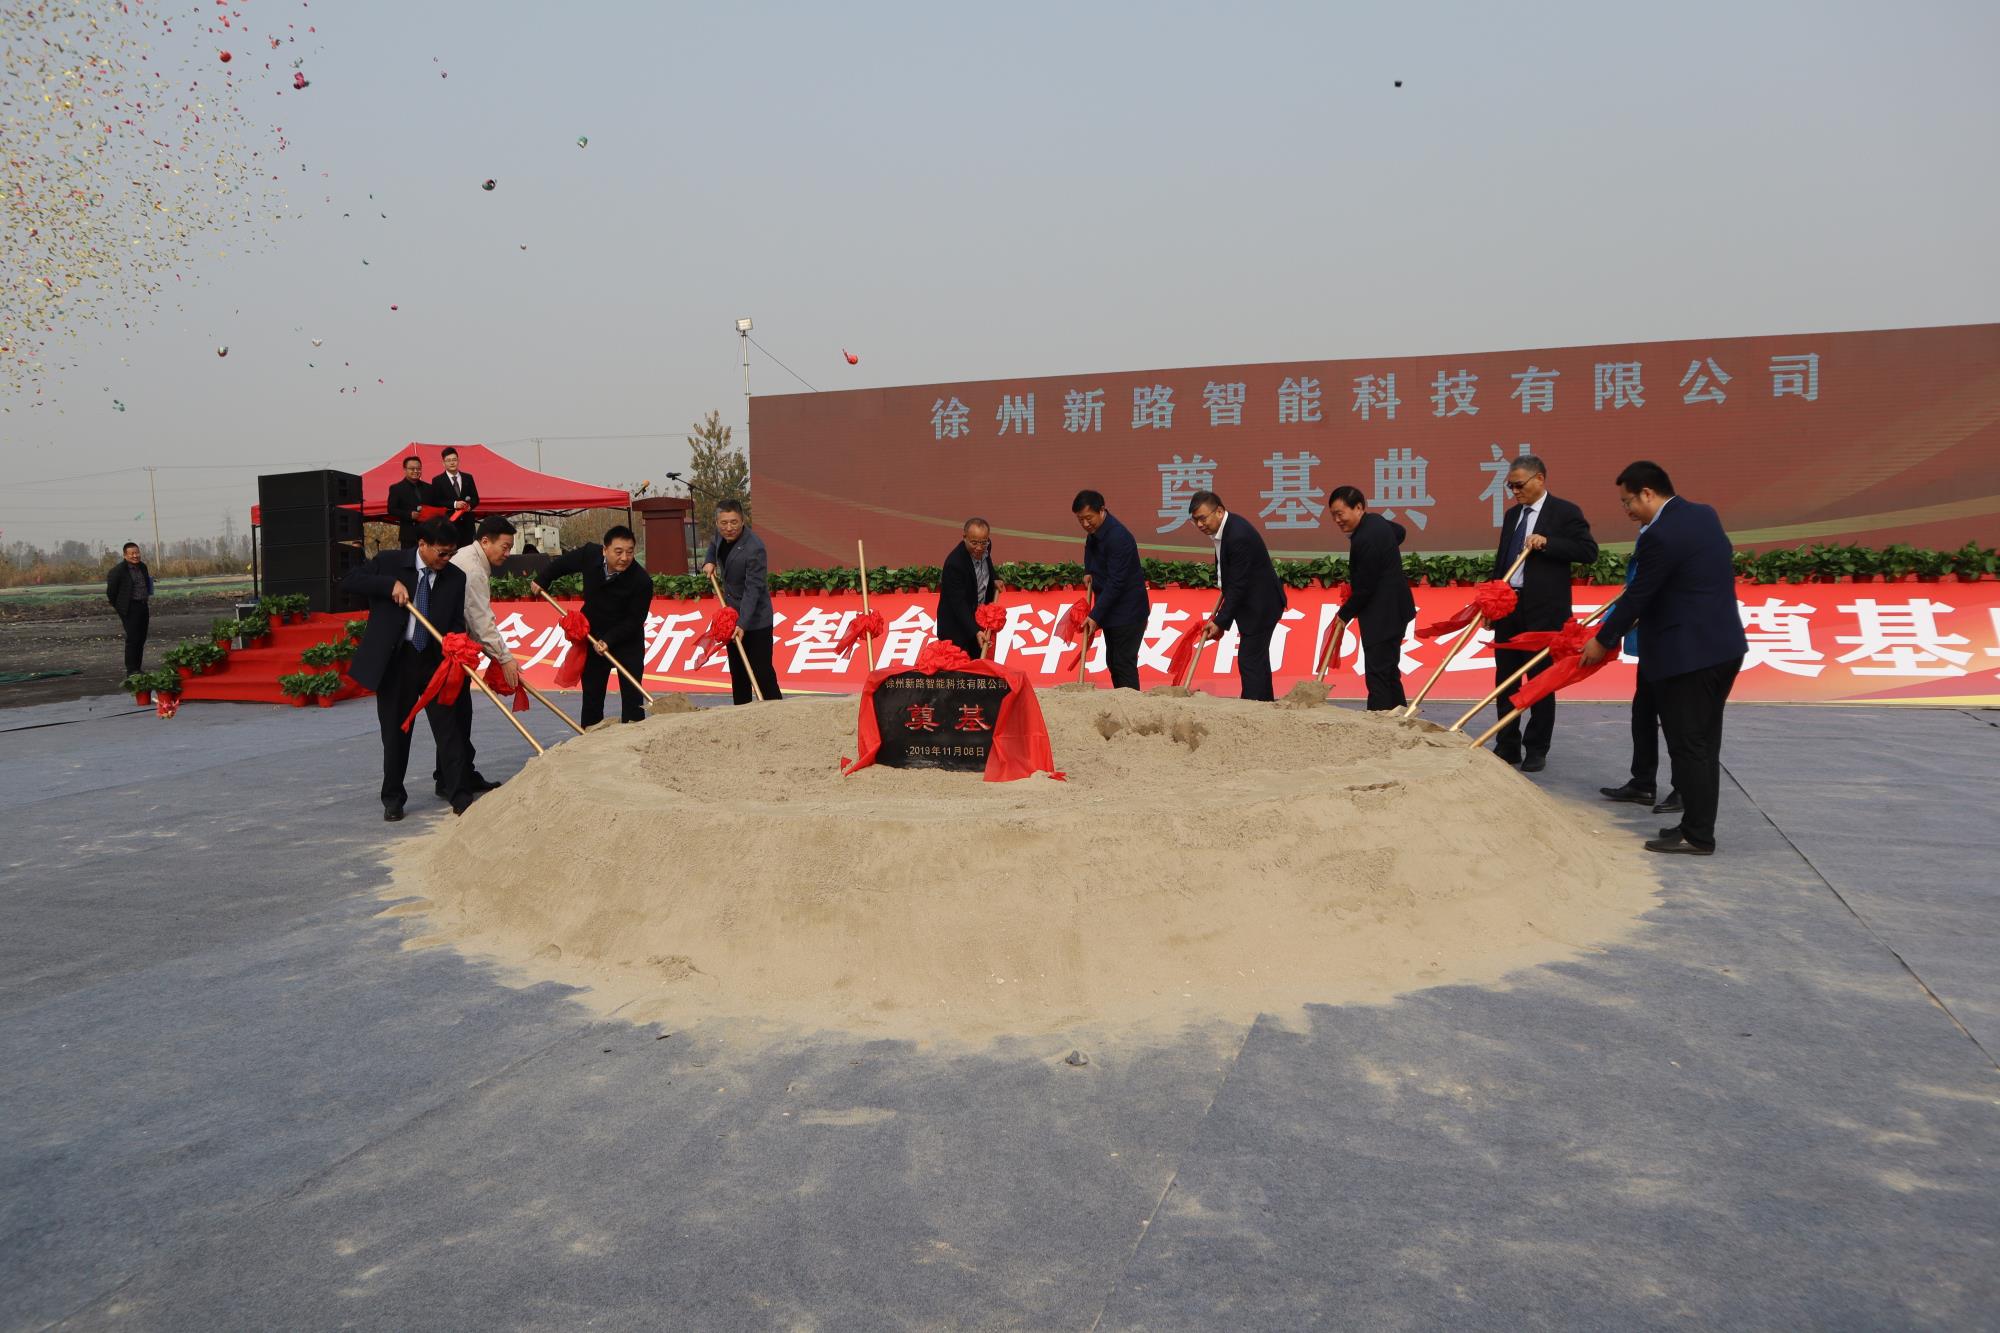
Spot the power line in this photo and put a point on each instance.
(781, 365)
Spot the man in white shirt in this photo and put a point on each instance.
(478, 561)
(1556, 536)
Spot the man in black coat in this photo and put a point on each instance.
(129, 589)
(965, 584)
(455, 490)
(1555, 535)
(1684, 593)
(1115, 582)
(407, 500)
(1252, 598)
(398, 656)
(1380, 594)
(617, 598)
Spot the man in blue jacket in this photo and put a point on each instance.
(1116, 584)
(1252, 598)
(1643, 786)
(1379, 602)
(1684, 593)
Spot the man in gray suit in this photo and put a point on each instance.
(737, 558)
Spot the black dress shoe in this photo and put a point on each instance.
(392, 813)
(480, 782)
(1671, 842)
(1670, 806)
(1508, 756)
(1534, 763)
(1631, 791)
(460, 804)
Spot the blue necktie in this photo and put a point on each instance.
(423, 603)
(1514, 541)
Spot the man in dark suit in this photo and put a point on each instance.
(129, 589)
(617, 598)
(1115, 583)
(1684, 593)
(1380, 598)
(1252, 598)
(456, 491)
(398, 656)
(407, 500)
(1643, 786)
(1555, 535)
(965, 584)
(738, 560)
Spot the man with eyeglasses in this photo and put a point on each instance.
(1555, 535)
(965, 584)
(1252, 598)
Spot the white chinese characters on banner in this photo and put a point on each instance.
(1083, 410)
(1496, 482)
(1618, 383)
(1152, 407)
(1704, 386)
(1017, 411)
(1298, 401)
(1780, 637)
(1291, 501)
(1224, 403)
(1903, 639)
(1376, 393)
(1178, 483)
(1536, 389)
(1796, 375)
(948, 419)
(1402, 482)
(1459, 388)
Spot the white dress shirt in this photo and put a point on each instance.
(1218, 547)
(1529, 513)
(479, 601)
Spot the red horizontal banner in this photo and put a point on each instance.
(1875, 437)
(1897, 643)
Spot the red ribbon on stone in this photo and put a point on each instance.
(1566, 670)
(1491, 600)
(942, 655)
(869, 623)
(496, 681)
(991, 616)
(721, 629)
(576, 628)
(461, 652)
(1565, 642)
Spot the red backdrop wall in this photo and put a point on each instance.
(1875, 437)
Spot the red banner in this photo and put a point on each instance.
(1877, 437)
(1899, 643)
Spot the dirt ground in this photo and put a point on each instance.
(54, 634)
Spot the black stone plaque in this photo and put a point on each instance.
(940, 721)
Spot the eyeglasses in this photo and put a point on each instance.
(1517, 485)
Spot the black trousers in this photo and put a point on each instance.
(137, 616)
(1253, 657)
(1690, 707)
(1382, 668)
(408, 672)
(631, 654)
(756, 647)
(461, 717)
(1645, 736)
(1541, 728)
(1121, 653)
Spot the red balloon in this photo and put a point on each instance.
(852, 359)
(226, 57)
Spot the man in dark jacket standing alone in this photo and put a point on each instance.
(129, 588)
(1115, 582)
(1555, 535)
(1252, 598)
(965, 584)
(617, 598)
(1380, 594)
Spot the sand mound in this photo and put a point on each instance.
(1206, 857)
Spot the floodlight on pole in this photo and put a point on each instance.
(743, 335)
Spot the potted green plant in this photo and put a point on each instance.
(293, 685)
(325, 685)
(1898, 562)
(224, 631)
(325, 656)
(165, 684)
(256, 630)
(193, 657)
(140, 686)
(1932, 565)
(1972, 562)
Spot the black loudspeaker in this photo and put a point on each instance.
(309, 542)
(310, 527)
(308, 490)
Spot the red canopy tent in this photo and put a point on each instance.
(505, 487)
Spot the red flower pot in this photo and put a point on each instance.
(143, 697)
(187, 673)
(323, 700)
(296, 700)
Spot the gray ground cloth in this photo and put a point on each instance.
(228, 1100)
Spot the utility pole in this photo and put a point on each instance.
(153, 491)
(538, 453)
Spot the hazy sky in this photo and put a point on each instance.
(957, 193)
